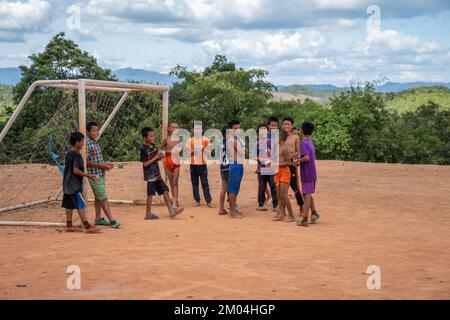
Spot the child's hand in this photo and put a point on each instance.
(94, 177)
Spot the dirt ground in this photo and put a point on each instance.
(394, 216)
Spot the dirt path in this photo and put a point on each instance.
(393, 216)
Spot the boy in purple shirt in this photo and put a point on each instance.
(308, 174)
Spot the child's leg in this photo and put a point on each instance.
(223, 191)
(313, 206)
(195, 176)
(175, 178)
(281, 200)
(232, 199)
(82, 214)
(105, 206)
(307, 206)
(69, 218)
(203, 172)
(286, 201)
(148, 209)
(98, 209)
(168, 201)
(261, 190)
(169, 175)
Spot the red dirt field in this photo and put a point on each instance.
(393, 216)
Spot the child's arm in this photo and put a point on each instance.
(154, 159)
(78, 172)
(104, 166)
(305, 158)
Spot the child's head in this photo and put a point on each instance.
(272, 123)
(287, 124)
(93, 130)
(172, 127)
(197, 128)
(149, 135)
(283, 136)
(307, 128)
(234, 124)
(295, 131)
(262, 129)
(77, 140)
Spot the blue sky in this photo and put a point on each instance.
(319, 41)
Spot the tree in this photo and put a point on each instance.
(61, 59)
(219, 93)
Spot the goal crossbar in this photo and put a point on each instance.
(83, 85)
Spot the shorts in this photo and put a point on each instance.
(73, 201)
(158, 186)
(308, 187)
(283, 175)
(168, 163)
(235, 178)
(99, 188)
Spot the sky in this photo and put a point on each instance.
(338, 42)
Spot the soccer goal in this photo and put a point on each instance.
(33, 143)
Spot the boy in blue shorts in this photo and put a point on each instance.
(150, 155)
(73, 184)
(236, 152)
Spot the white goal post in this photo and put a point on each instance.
(83, 85)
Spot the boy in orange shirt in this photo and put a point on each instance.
(197, 145)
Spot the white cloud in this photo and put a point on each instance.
(18, 18)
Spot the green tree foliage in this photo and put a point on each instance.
(61, 59)
(219, 93)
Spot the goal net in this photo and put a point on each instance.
(33, 143)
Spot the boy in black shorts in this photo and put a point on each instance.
(150, 155)
(73, 184)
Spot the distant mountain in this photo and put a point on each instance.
(410, 100)
(10, 76)
(398, 87)
(318, 91)
(129, 74)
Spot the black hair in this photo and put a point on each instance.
(294, 128)
(262, 125)
(288, 119)
(145, 131)
(307, 128)
(272, 119)
(233, 122)
(75, 137)
(283, 135)
(224, 131)
(91, 124)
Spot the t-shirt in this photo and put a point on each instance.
(200, 145)
(308, 168)
(267, 155)
(224, 162)
(148, 152)
(94, 154)
(72, 183)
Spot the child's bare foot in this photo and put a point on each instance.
(278, 217)
(91, 229)
(261, 208)
(288, 219)
(151, 216)
(210, 205)
(174, 212)
(74, 229)
(267, 199)
(314, 217)
(197, 204)
(303, 223)
(223, 212)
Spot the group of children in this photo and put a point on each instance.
(273, 182)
